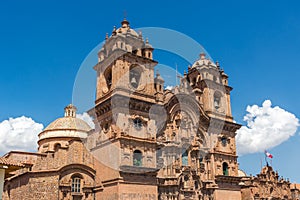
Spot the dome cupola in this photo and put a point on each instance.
(63, 130)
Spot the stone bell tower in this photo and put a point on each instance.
(126, 91)
(210, 84)
(126, 63)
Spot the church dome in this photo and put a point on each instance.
(67, 126)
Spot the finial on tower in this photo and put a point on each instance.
(125, 23)
(157, 72)
(158, 78)
(218, 64)
(202, 56)
(147, 45)
(140, 35)
(114, 32)
(70, 111)
(106, 36)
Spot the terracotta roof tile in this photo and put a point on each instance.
(5, 161)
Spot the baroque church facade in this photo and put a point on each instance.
(149, 143)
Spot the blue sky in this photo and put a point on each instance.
(43, 43)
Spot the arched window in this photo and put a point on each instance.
(108, 77)
(134, 76)
(196, 185)
(224, 141)
(201, 158)
(217, 100)
(137, 158)
(184, 158)
(76, 184)
(225, 169)
(215, 78)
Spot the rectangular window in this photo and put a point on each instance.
(76, 185)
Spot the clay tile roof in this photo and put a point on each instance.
(4, 161)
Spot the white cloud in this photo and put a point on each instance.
(169, 87)
(266, 128)
(87, 118)
(19, 133)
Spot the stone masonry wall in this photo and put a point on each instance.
(33, 187)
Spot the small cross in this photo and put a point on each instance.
(125, 14)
